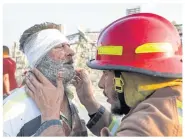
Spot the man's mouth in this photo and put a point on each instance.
(106, 97)
(109, 100)
(69, 62)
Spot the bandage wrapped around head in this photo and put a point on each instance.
(39, 44)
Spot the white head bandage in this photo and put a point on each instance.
(39, 44)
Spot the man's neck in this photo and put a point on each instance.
(6, 56)
(65, 108)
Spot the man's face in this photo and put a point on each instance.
(60, 58)
(62, 52)
(107, 84)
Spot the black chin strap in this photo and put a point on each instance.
(118, 86)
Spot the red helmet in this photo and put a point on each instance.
(145, 43)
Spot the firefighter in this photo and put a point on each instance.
(142, 78)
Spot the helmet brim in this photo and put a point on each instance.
(96, 64)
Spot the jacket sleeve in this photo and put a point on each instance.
(102, 119)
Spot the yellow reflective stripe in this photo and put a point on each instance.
(10, 103)
(179, 110)
(154, 47)
(180, 119)
(179, 104)
(113, 126)
(160, 85)
(112, 123)
(110, 50)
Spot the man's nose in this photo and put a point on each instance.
(70, 52)
(100, 84)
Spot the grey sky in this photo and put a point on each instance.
(18, 17)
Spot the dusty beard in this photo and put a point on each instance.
(50, 68)
(120, 107)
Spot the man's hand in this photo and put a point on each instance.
(47, 97)
(105, 132)
(84, 91)
(83, 85)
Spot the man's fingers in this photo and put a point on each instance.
(105, 132)
(73, 82)
(76, 82)
(83, 75)
(30, 85)
(32, 80)
(29, 92)
(77, 78)
(84, 72)
(41, 78)
(78, 71)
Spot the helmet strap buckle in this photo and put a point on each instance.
(118, 82)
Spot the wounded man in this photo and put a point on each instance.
(46, 49)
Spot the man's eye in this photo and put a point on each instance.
(105, 73)
(59, 47)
